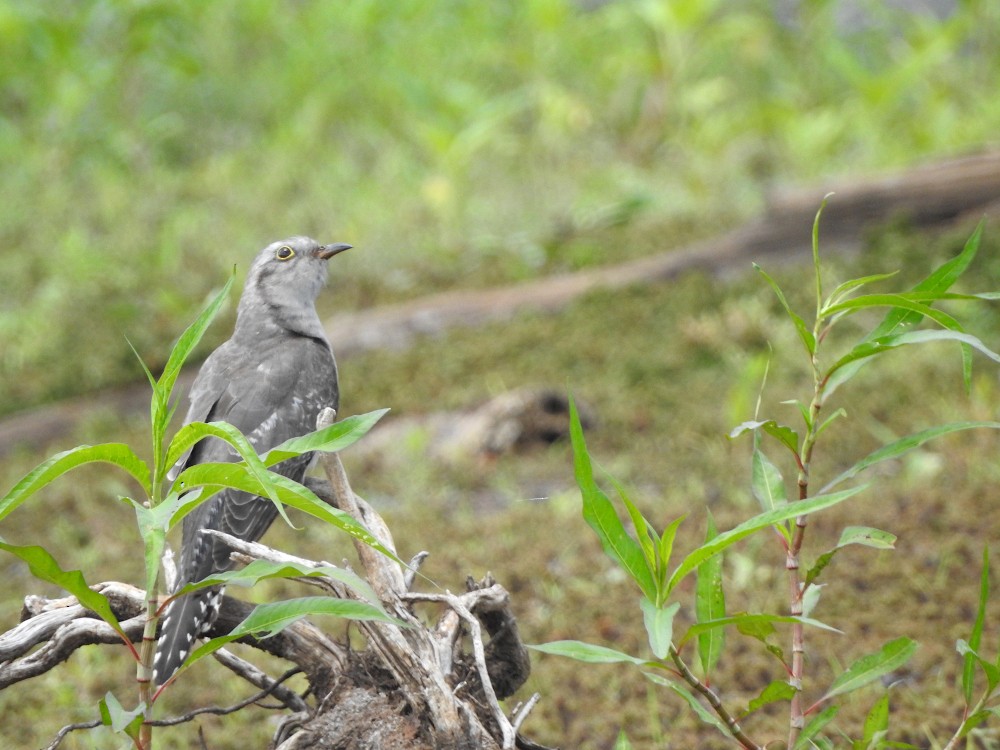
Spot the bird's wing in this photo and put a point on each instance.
(269, 401)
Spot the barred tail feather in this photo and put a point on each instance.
(186, 618)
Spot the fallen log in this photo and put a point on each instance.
(929, 196)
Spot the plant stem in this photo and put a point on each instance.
(795, 589)
(713, 700)
(144, 670)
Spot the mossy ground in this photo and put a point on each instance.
(669, 369)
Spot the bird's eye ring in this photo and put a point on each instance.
(284, 253)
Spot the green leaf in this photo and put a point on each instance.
(193, 432)
(696, 705)
(863, 535)
(815, 249)
(904, 445)
(710, 604)
(666, 551)
(807, 337)
(990, 669)
(891, 656)
(260, 570)
(154, 540)
(877, 721)
(238, 476)
(783, 434)
(758, 626)
(838, 373)
(601, 516)
(45, 568)
(659, 623)
(752, 525)
(189, 340)
(117, 454)
(766, 482)
(645, 534)
(622, 741)
(776, 691)
(330, 439)
(760, 629)
(810, 598)
(975, 719)
(976, 637)
(588, 652)
(267, 620)
(815, 726)
(900, 301)
(849, 286)
(938, 282)
(121, 721)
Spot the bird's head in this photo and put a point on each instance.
(284, 281)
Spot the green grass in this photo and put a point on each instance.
(149, 146)
(669, 369)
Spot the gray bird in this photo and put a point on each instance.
(270, 380)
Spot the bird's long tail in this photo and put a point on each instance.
(186, 618)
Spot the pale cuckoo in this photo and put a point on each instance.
(270, 380)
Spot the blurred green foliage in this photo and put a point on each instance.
(149, 145)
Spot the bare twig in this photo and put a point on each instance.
(258, 677)
(61, 734)
(458, 605)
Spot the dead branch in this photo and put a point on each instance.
(413, 682)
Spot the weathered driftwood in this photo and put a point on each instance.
(930, 195)
(413, 687)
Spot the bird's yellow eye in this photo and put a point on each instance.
(284, 253)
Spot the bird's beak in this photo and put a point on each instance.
(325, 252)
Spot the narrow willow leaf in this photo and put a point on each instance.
(867, 537)
(588, 652)
(121, 721)
(260, 570)
(877, 722)
(974, 720)
(752, 525)
(810, 598)
(814, 727)
(783, 434)
(659, 623)
(55, 466)
(766, 482)
(900, 301)
(666, 551)
(891, 656)
(154, 540)
(807, 337)
(776, 691)
(838, 373)
(45, 568)
(761, 629)
(330, 439)
(991, 671)
(830, 420)
(863, 535)
(710, 604)
(976, 637)
(846, 287)
(601, 516)
(815, 249)
(267, 620)
(939, 281)
(904, 445)
(237, 476)
(622, 741)
(756, 625)
(644, 533)
(696, 705)
(188, 341)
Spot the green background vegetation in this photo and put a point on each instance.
(149, 146)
